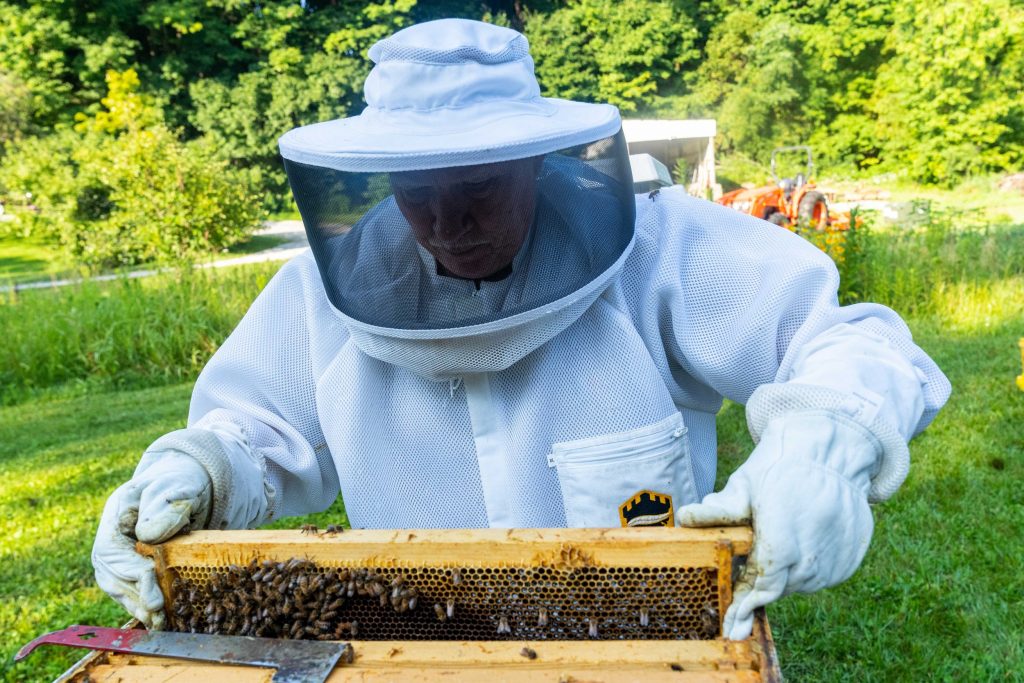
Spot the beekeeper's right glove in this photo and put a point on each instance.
(172, 491)
(199, 478)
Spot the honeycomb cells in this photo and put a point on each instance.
(487, 603)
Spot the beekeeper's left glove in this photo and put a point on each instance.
(805, 490)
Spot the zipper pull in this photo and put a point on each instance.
(551, 459)
(679, 431)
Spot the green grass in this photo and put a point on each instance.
(940, 590)
(92, 374)
(252, 245)
(28, 259)
(31, 260)
(59, 460)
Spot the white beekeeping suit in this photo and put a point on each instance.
(438, 373)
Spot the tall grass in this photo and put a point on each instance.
(125, 333)
(159, 330)
(918, 270)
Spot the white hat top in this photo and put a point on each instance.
(451, 92)
(475, 63)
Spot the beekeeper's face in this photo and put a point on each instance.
(472, 219)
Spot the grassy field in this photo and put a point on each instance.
(99, 371)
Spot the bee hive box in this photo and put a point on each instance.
(561, 604)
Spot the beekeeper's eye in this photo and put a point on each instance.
(480, 189)
(414, 196)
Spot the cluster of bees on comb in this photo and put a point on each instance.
(290, 599)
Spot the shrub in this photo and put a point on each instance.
(121, 188)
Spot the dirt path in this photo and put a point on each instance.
(291, 231)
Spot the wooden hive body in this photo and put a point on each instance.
(590, 585)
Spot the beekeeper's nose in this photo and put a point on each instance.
(452, 216)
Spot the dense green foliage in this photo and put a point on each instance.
(923, 86)
(122, 188)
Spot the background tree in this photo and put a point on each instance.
(926, 86)
(948, 100)
(121, 188)
(627, 53)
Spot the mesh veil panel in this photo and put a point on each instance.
(430, 249)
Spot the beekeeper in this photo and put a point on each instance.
(507, 336)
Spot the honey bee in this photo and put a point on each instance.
(529, 653)
(592, 627)
(675, 667)
(456, 576)
(309, 529)
(709, 618)
(439, 611)
(353, 628)
(296, 629)
(450, 611)
(542, 617)
(412, 603)
(332, 529)
(645, 618)
(503, 627)
(383, 599)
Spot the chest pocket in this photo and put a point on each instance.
(634, 478)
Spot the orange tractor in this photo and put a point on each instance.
(790, 202)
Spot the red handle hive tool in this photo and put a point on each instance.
(296, 661)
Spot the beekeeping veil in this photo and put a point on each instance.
(462, 220)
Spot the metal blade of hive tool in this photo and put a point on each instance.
(296, 661)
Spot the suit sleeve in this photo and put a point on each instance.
(262, 382)
(752, 311)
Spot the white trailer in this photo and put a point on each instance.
(669, 141)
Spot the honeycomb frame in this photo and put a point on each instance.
(516, 584)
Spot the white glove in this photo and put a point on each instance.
(169, 490)
(805, 490)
